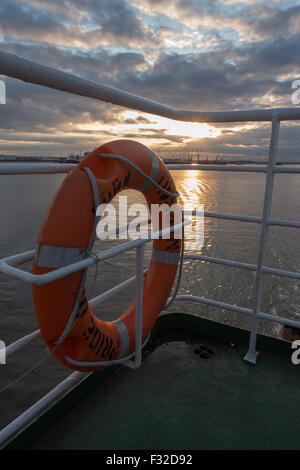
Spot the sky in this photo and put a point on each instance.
(200, 55)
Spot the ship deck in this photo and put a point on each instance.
(178, 400)
(193, 391)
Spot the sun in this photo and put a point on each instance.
(192, 130)
(188, 130)
(151, 129)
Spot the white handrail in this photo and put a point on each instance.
(22, 342)
(238, 309)
(33, 72)
(74, 379)
(50, 168)
(8, 265)
(34, 168)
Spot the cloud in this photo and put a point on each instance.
(240, 20)
(200, 55)
(81, 23)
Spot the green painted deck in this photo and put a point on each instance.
(178, 401)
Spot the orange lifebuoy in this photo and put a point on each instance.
(75, 335)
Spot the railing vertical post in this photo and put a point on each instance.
(252, 353)
(139, 263)
(139, 303)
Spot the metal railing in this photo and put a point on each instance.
(33, 72)
(133, 360)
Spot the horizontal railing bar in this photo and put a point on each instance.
(235, 308)
(22, 342)
(113, 291)
(194, 162)
(241, 218)
(282, 169)
(20, 258)
(282, 162)
(63, 168)
(238, 264)
(35, 168)
(34, 411)
(27, 256)
(281, 272)
(246, 218)
(235, 168)
(284, 223)
(15, 167)
(33, 72)
(214, 303)
(226, 262)
(238, 168)
(7, 264)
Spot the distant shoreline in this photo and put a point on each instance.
(168, 161)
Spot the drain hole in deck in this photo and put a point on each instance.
(202, 351)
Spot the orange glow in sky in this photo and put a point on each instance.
(150, 124)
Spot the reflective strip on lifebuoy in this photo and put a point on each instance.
(71, 330)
